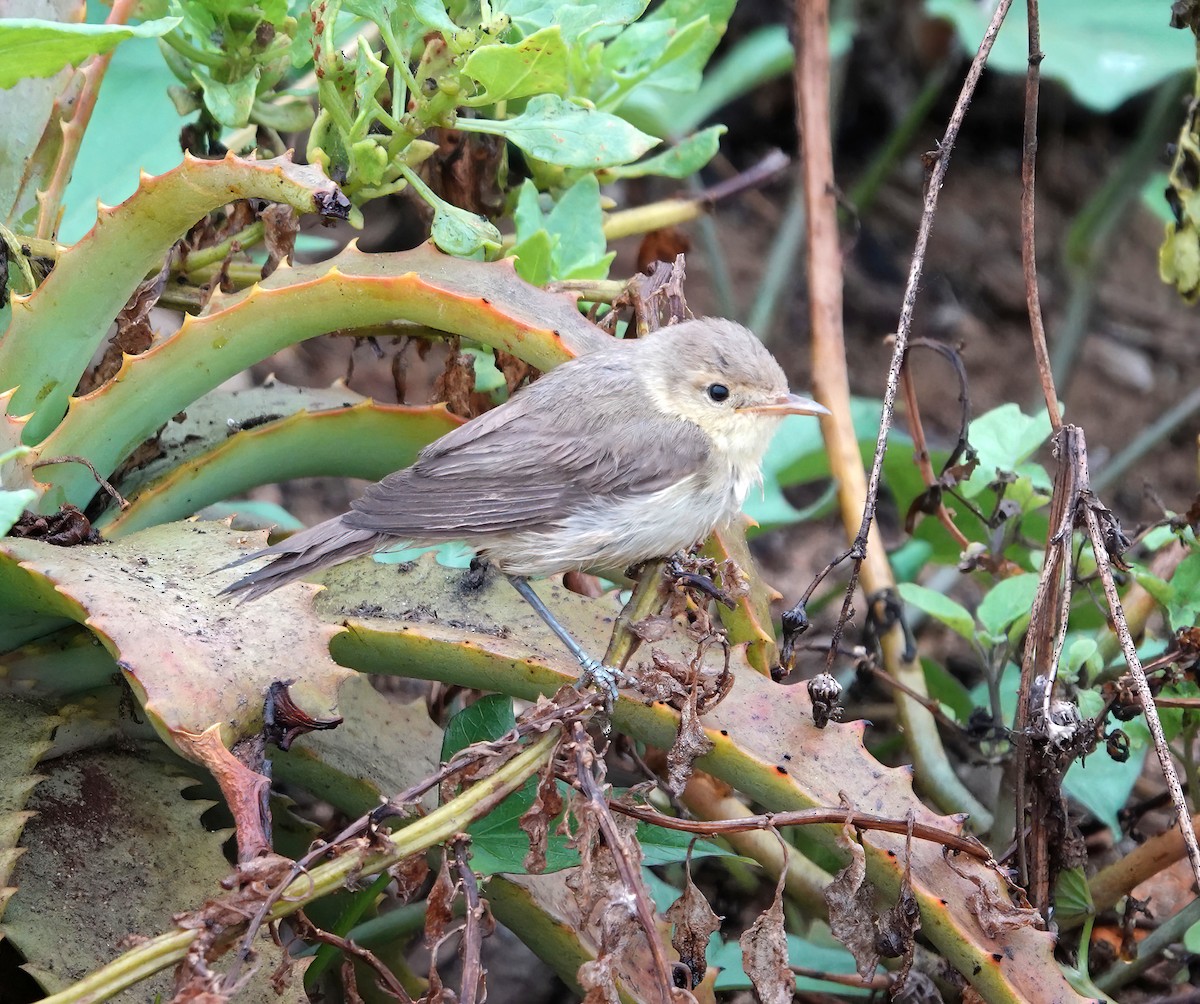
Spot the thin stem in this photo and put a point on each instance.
(1033, 300)
(92, 73)
(831, 381)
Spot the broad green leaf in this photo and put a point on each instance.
(940, 607)
(946, 689)
(537, 64)
(534, 257)
(1073, 897)
(1004, 438)
(1183, 606)
(1105, 52)
(1006, 603)
(230, 103)
(575, 17)
(1083, 653)
(659, 54)
(578, 223)
(763, 55)
(12, 504)
(1102, 785)
(684, 159)
(566, 134)
(30, 47)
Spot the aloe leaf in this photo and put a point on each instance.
(193, 659)
(765, 745)
(93, 280)
(363, 440)
(383, 747)
(25, 733)
(102, 817)
(485, 301)
(749, 622)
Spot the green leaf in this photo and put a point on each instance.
(578, 223)
(12, 504)
(30, 47)
(941, 608)
(1183, 606)
(1073, 897)
(576, 18)
(535, 257)
(1102, 785)
(486, 720)
(1083, 653)
(1004, 439)
(461, 233)
(229, 103)
(1006, 603)
(538, 64)
(1103, 52)
(567, 134)
(682, 160)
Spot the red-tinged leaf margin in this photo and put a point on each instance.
(487, 302)
(92, 280)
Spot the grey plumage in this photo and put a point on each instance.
(615, 457)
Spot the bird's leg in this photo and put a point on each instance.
(594, 671)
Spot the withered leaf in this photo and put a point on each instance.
(690, 744)
(851, 901)
(535, 820)
(281, 224)
(764, 954)
(695, 922)
(439, 905)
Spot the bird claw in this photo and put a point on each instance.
(607, 678)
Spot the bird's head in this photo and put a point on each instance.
(717, 374)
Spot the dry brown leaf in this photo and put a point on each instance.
(690, 744)
(851, 901)
(695, 922)
(765, 956)
(281, 224)
(439, 905)
(535, 820)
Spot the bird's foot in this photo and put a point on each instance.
(607, 678)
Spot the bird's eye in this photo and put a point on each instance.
(718, 392)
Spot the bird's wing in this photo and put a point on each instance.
(528, 464)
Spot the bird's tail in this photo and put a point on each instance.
(321, 546)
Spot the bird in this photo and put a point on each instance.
(633, 451)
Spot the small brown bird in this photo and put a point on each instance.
(632, 452)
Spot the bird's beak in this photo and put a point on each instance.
(788, 404)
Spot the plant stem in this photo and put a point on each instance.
(92, 75)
